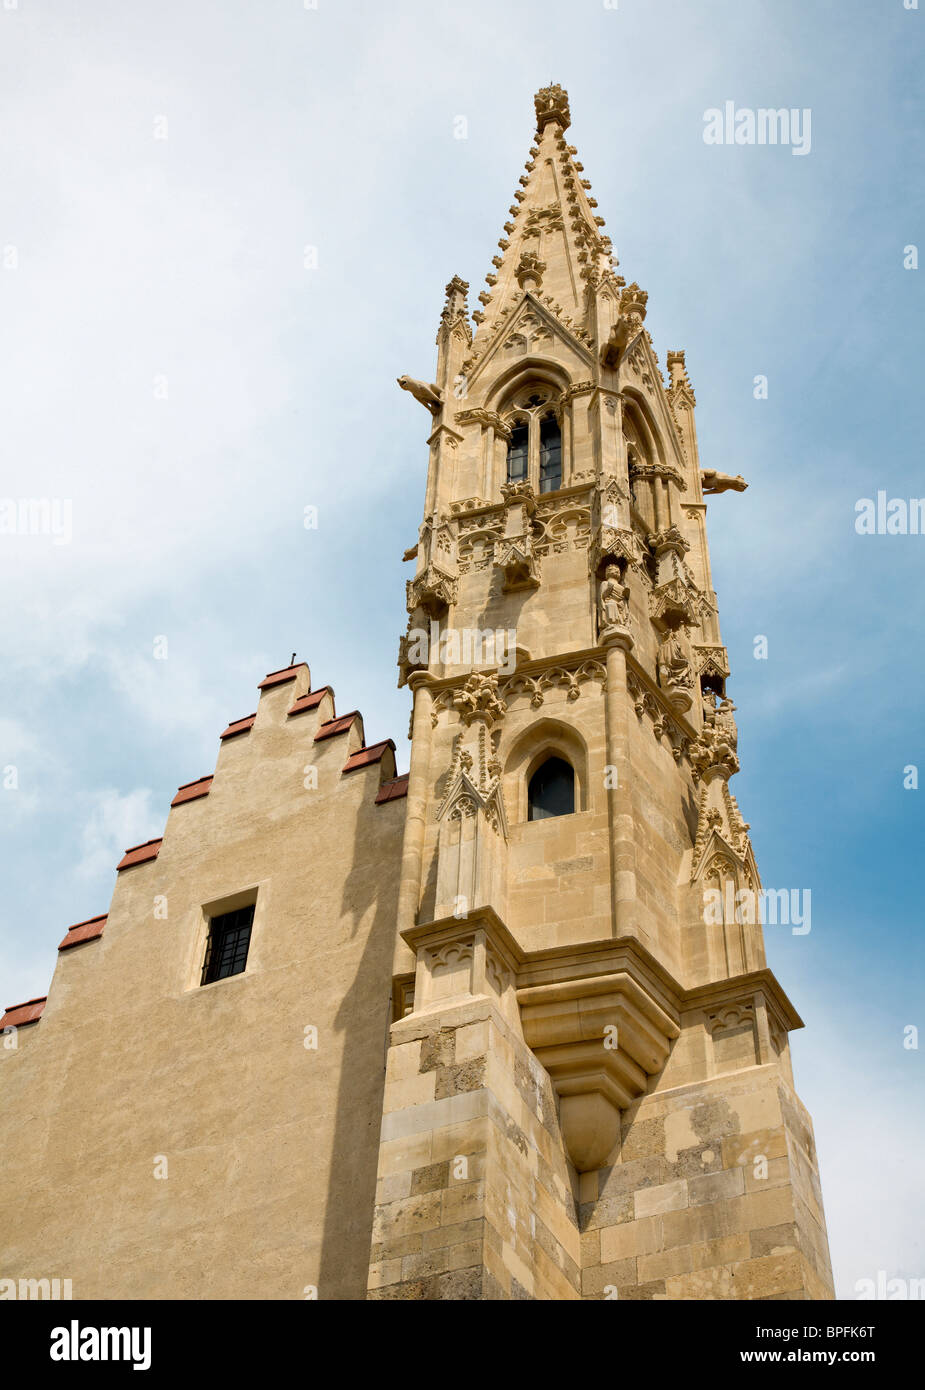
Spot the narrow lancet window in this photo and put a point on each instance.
(552, 790)
(550, 455)
(517, 451)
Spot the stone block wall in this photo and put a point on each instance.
(715, 1195)
(474, 1198)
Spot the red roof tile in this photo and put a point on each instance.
(288, 673)
(392, 791)
(17, 1015)
(140, 854)
(191, 791)
(239, 726)
(340, 725)
(363, 757)
(312, 700)
(84, 931)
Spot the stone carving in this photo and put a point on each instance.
(675, 674)
(433, 590)
(711, 481)
(479, 700)
(490, 419)
(674, 603)
(714, 751)
(630, 317)
(529, 271)
(519, 492)
(712, 661)
(425, 392)
(548, 219)
(732, 1017)
(515, 557)
(552, 105)
(453, 953)
(536, 686)
(613, 604)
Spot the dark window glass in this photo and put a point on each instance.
(229, 939)
(552, 790)
(550, 456)
(517, 454)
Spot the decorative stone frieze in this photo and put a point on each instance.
(553, 677)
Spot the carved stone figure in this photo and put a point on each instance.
(711, 481)
(425, 392)
(674, 667)
(675, 674)
(726, 723)
(613, 602)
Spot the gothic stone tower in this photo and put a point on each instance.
(588, 1088)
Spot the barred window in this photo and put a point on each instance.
(228, 943)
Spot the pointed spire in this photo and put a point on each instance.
(552, 244)
(454, 335)
(455, 304)
(679, 381)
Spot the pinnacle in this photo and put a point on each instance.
(552, 105)
(552, 245)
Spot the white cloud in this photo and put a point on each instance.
(115, 823)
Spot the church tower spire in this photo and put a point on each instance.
(586, 1034)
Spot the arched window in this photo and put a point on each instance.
(550, 455)
(534, 451)
(517, 452)
(552, 790)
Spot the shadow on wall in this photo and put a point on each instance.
(370, 888)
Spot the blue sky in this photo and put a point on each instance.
(143, 260)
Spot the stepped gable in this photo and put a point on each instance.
(311, 701)
(392, 791)
(192, 791)
(90, 930)
(140, 854)
(340, 725)
(380, 755)
(18, 1015)
(239, 726)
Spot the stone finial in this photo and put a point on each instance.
(529, 271)
(677, 367)
(456, 292)
(633, 303)
(552, 105)
(479, 700)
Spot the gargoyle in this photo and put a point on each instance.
(425, 392)
(622, 334)
(711, 481)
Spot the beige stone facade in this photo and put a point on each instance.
(551, 1060)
